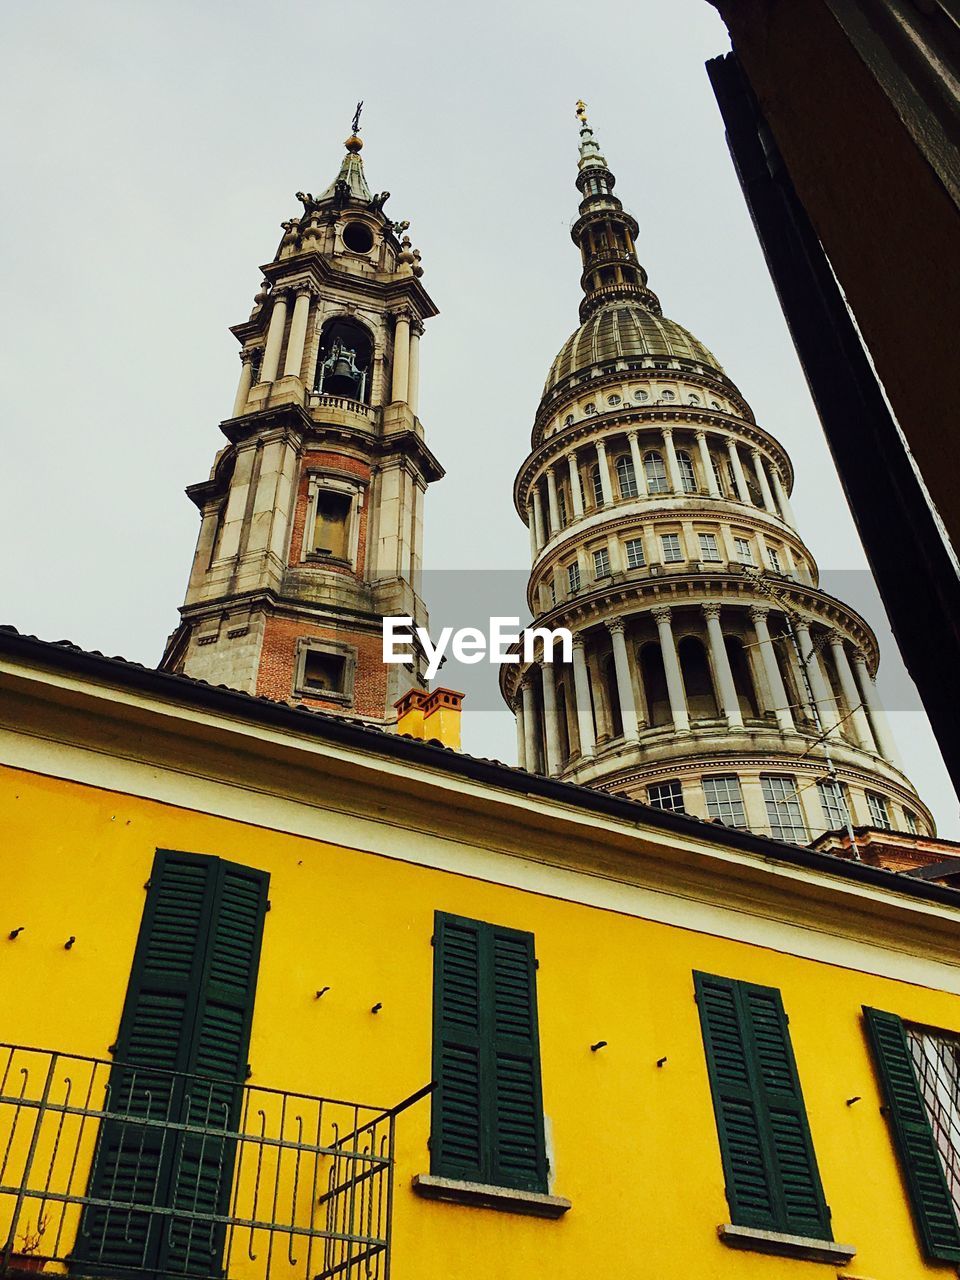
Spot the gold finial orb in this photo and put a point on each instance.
(354, 143)
(582, 111)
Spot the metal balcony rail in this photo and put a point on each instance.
(117, 1169)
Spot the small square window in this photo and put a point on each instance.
(670, 542)
(325, 670)
(635, 557)
(667, 795)
(601, 562)
(708, 548)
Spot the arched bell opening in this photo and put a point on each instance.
(345, 360)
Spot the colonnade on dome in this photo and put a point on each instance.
(710, 672)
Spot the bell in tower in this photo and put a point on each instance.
(312, 518)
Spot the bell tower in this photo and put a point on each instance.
(312, 517)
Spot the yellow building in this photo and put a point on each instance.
(195, 880)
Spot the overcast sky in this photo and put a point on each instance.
(151, 151)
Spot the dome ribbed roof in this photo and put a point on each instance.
(625, 330)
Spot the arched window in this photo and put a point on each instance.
(345, 359)
(612, 691)
(655, 684)
(655, 472)
(626, 477)
(701, 700)
(597, 486)
(742, 677)
(688, 477)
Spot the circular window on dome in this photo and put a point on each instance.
(667, 395)
(641, 395)
(692, 399)
(568, 420)
(590, 408)
(714, 404)
(358, 237)
(613, 399)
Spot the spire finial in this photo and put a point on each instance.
(354, 143)
(356, 118)
(581, 111)
(590, 155)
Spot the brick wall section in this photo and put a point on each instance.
(335, 462)
(278, 660)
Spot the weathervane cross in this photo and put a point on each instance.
(356, 117)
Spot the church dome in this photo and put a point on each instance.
(625, 330)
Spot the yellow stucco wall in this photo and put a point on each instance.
(633, 1146)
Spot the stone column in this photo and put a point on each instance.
(766, 495)
(246, 381)
(771, 668)
(521, 735)
(673, 467)
(538, 517)
(401, 358)
(637, 460)
(854, 699)
(827, 710)
(784, 502)
(271, 351)
(671, 666)
(551, 724)
(706, 464)
(739, 479)
(581, 684)
(576, 497)
(605, 486)
(625, 695)
(721, 665)
(298, 332)
(532, 526)
(552, 502)
(413, 373)
(878, 718)
(530, 726)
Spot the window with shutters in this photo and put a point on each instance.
(769, 1165)
(188, 1010)
(919, 1070)
(487, 1120)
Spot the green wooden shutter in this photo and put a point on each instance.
(457, 1144)
(517, 1157)
(933, 1210)
(188, 1009)
(487, 1123)
(772, 1180)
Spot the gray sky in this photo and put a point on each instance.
(151, 151)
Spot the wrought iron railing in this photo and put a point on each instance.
(114, 1169)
